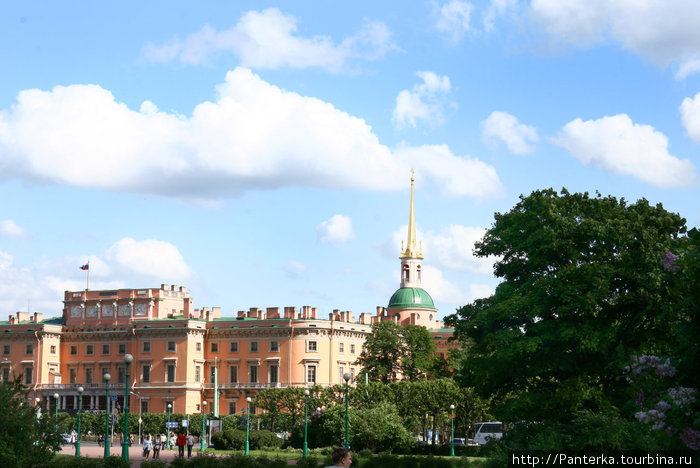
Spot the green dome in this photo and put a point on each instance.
(411, 298)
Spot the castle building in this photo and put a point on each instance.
(185, 356)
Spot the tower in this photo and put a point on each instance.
(411, 304)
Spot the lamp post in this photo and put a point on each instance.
(452, 419)
(247, 426)
(80, 410)
(167, 429)
(107, 377)
(347, 378)
(306, 422)
(55, 395)
(125, 439)
(204, 416)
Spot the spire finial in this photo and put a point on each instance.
(412, 250)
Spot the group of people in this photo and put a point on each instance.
(155, 444)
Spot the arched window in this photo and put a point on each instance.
(419, 276)
(405, 272)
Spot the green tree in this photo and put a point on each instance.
(25, 440)
(392, 352)
(582, 289)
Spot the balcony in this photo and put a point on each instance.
(244, 385)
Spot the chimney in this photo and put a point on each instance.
(349, 317)
(314, 313)
(215, 312)
(173, 287)
(273, 312)
(12, 320)
(164, 286)
(22, 316)
(241, 314)
(182, 289)
(38, 317)
(290, 312)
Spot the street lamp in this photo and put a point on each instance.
(55, 395)
(347, 378)
(247, 426)
(167, 429)
(306, 422)
(125, 440)
(452, 418)
(80, 410)
(204, 416)
(107, 377)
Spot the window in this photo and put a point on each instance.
(198, 407)
(274, 346)
(253, 346)
(28, 371)
(73, 375)
(198, 347)
(122, 348)
(146, 373)
(146, 346)
(341, 372)
(5, 374)
(73, 350)
(352, 374)
(105, 349)
(233, 347)
(88, 374)
(170, 373)
(121, 374)
(311, 346)
(274, 373)
(352, 349)
(212, 373)
(52, 349)
(311, 374)
(29, 349)
(253, 374)
(341, 347)
(197, 373)
(171, 347)
(6, 349)
(144, 406)
(105, 370)
(233, 374)
(232, 407)
(89, 349)
(214, 347)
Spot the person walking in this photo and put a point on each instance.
(147, 447)
(156, 447)
(190, 443)
(181, 441)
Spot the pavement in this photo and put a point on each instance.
(92, 450)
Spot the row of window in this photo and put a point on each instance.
(171, 347)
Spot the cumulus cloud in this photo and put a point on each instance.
(453, 19)
(665, 31)
(269, 39)
(504, 127)
(150, 257)
(336, 230)
(424, 102)
(618, 145)
(253, 136)
(437, 162)
(440, 288)
(295, 268)
(9, 228)
(690, 116)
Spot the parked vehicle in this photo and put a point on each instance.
(66, 438)
(458, 441)
(486, 431)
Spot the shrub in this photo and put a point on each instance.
(152, 464)
(263, 439)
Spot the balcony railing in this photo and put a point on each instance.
(244, 385)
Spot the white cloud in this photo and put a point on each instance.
(9, 228)
(441, 289)
(294, 269)
(453, 19)
(457, 176)
(336, 230)
(519, 138)
(269, 39)
(425, 102)
(690, 116)
(479, 291)
(497, 8)
(618, 145)
(665, 31)
(150, 257)
(254, 136)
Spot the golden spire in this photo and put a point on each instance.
(412, 249)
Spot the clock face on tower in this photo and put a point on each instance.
(140, 309)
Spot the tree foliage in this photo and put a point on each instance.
(583, 287)
(25, 440)
(392, 352)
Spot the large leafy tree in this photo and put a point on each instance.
(392, 352)
(582, 289)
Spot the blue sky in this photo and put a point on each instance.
(260, 153)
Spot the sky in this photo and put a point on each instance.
(260, 153)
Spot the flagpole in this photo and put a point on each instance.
(87, 285)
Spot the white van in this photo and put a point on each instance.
(486, 431)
